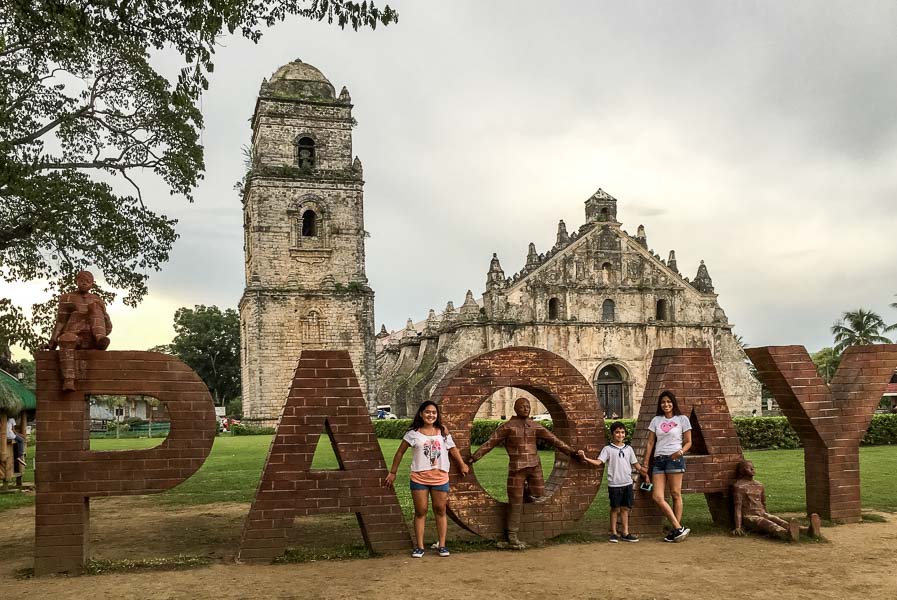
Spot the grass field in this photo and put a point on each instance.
(232, 471)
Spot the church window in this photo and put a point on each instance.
(553, 309)
(309, 224)
(305, 153)
(604, 214)
(662, 310)
(612, 392)
(607, 310)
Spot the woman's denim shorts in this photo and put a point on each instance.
(438, 488)
(668, 464)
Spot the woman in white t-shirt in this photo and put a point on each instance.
(669, 438)
(431, 447)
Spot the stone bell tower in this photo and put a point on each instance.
(303, 218)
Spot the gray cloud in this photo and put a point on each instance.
(756, 136)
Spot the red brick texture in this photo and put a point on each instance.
(69, 474)
(830, 420)
(573, 405)
(710, 464)
(324, 397)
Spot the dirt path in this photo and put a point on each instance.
(857, 561)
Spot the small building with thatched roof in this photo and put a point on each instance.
(15, 397)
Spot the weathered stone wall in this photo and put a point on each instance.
(304, 289)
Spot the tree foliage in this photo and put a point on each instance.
(858, 328)
(208, 340)
(826, 361)
(82, 110)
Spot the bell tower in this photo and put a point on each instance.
(303, 218)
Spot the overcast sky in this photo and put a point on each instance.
(757, 136)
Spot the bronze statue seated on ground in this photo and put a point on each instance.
(749, 497)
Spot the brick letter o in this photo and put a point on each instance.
(573, 405)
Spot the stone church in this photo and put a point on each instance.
(600, 297)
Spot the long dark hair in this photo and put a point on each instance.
(672, 397)
(418, 421)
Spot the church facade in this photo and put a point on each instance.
(600, 298)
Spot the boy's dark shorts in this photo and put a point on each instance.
(620, 497)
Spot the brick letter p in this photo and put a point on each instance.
(69, 473)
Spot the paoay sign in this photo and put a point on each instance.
(325, 397)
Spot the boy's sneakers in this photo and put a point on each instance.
(417, 553)
(629, 537)
(677, 535)
(443, 551)
(613, 539)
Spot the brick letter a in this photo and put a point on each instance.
(324, 396)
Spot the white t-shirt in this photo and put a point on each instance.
(10, 433)
(669, 433)
(619, 461)
(429, 451)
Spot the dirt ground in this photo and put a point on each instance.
(855, 561)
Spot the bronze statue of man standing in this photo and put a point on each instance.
(81, 324)
(525, 482)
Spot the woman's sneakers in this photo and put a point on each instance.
(441, 550)
(677, 535)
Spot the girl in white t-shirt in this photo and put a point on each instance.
(669, 438)
(432, 445)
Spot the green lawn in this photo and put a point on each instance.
(232, 471)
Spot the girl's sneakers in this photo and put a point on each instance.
(677, 535)
(417, 553)
(443, 551)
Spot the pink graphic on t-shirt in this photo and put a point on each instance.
(667, 426)
(432, 450)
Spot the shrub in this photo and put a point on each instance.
(391, 429)
(238, 429)
(765, 433)
(755, 433)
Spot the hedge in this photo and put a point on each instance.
(755, 433)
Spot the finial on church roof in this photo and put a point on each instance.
(383, 332)
(671, 262)
(532, 257)
(563, 238)
(344, 95)
(702, 281)
(356, 166)
(495, 278)
(470, 308)
(641, 237)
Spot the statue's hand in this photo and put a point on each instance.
(738, 531)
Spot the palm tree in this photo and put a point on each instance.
(894, 326)
(858, 328)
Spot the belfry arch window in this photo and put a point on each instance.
(553, 309)
(662, 313)
(309, 224)
(607, 310)
(305, 153)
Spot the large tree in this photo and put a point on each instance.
(208, 340)
(81, 107)
(826, 361)
(858, 327)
